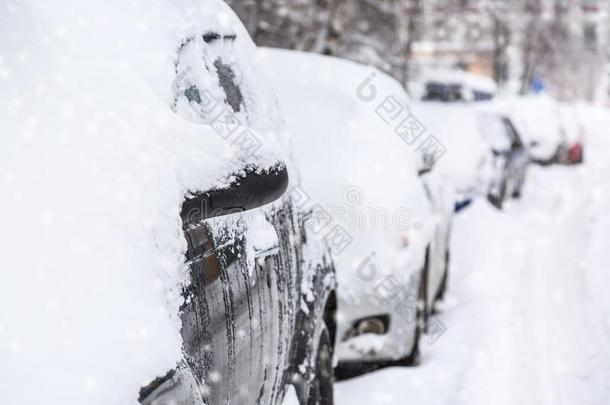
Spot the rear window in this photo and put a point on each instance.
(481, 95)
(443, 92)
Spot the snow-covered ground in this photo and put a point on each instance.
(528, 315)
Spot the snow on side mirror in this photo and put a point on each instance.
(251, 189)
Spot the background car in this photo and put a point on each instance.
(179, 268)
(457, 86)
(364, 176)
(535, 117)
(510, 158)
(466, 167)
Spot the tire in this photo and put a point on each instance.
(321, 390)
(518, 192)
(502, 196)
(498, 201)
(440, 295)
(421, 317)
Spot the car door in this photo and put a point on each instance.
(240, 304)
(494, 133)
(518, 158)
(438, 192)
(236, 310)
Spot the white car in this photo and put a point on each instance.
(467, 166)
(510, 157)
(536, 119)
(361, 174)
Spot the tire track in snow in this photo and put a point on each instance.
(523, 327)
(557, 344)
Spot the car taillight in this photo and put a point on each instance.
(575, 153)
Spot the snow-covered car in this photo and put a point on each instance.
(510, 157)
(362, 178)
(535, 117)
(571, 150)
(467, 166)
(154, 254)
(457, 86)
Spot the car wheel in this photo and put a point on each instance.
(421, 318)
(518, 191)
(517, 194)
(440, 295)
(498, 201)
(321, 391)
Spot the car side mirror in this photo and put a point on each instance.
(251, 189)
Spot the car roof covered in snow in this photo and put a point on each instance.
(536, 117)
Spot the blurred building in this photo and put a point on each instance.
(562, 44)
(453, 36)
(501, 39)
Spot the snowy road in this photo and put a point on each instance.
(527, 317)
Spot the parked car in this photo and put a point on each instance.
(535, 117)
(363, 176)
(178, 265)
(571, 150)
(510, 158)
(467, 166)
(457, 86)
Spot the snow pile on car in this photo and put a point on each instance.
(536, 119)
(357, 172)
(94, 166)
(570, 122)
(467, 161)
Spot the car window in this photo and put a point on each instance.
(204, 78)
(227, 80)
(481, 95)
(443, 92)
